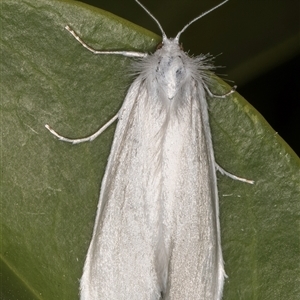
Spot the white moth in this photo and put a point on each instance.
(157, 231)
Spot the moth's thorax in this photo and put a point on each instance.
(171, 69)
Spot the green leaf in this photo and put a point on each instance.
(50, 189)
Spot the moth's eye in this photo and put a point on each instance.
(159, 46)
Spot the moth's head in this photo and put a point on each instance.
(170, 68)
(169, 42)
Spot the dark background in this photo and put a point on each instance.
(259, 42)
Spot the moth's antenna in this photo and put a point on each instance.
(164, 36)
(194, 20)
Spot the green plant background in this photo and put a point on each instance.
(50, 189)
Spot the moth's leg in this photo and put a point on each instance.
(223, 172)
(219, 96)
(124, 53)
(81, 140)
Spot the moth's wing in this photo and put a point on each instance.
(196, 264)
(219, 272)
(120, 263)
(157, 229)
